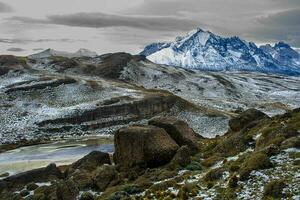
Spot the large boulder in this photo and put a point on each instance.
(246, 118)
(90, 162)
(178, 130)
(143, 146)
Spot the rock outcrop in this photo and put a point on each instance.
(9, 62)
(178, 130)
(143, 146)
(51, 172)
(117, 112)
(90, 162)
(245, 118)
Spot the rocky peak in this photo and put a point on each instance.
(205, 50)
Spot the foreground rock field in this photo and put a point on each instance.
(258, 158)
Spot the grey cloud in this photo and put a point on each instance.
(28, 20)
(4, 8)
(38, 49)
(280, 26)
(289, 18)
(235, 17)
(15, 49)
(213, 7)
(25, 41)
(102, 20)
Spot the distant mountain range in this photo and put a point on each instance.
(204, 50)
(51, 52)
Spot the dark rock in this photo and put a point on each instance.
(90, 162)
(178, 130)
(182, 158)
(50, 172)
(143, 146)
(245, 118)
(106, 176)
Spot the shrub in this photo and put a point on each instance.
(194, 166)
(214, 174)
(255, 162)
(274, 189)
(133, 189)
(233, 182)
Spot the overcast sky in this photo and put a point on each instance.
(28, 26)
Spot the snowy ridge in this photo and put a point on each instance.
(204, 50)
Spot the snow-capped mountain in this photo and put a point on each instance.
(51, 52)
(204, 50)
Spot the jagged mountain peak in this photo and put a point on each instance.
(282, 44)
(204, 50)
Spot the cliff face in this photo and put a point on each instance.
(117, 113)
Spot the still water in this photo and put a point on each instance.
(62, 153)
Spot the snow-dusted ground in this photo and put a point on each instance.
(284, 170)
(253, 188)
(20, 111)
(222, 91)
(217, 94)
